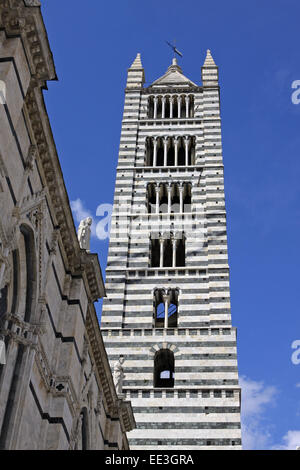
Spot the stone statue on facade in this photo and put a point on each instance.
(118, 375)
(84, 233)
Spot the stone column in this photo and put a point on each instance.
(166, 302)
(174, 243)
(157, 199)
(186, 142)
(171, 106)
(165, 150)
(161, 258)
(187, 101)
(163, 107)
(179, 106)
(154, 151)
(155, 107)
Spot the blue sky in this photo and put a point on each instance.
(256, 46)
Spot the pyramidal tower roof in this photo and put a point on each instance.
(137, 63)
(209, 61)
(173, 77)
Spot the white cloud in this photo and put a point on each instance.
(256, 397)
(80, 212)
(291, 440)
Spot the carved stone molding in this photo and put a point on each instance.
(32, 3)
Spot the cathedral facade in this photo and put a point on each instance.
(56, 385)
(167, 310)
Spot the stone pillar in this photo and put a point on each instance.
(154, 151)
(166, 302)
(155, 107)
(187, 102)
(161, 258)
(174, 243)
(179, 106)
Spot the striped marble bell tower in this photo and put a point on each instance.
(167, 309)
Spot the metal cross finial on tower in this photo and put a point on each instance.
(173, 47)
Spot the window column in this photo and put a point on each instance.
(163, 107)
(179, 106)
(155, 107)
(174, 243)
(154, 151)
(169, 189)
(187, 101)
(161, 257)
(166, 302)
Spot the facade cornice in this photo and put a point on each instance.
(17, 19)
(117, 408)
(171, 90)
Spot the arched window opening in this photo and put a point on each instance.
(168, 251)
(149, 152)
(187, 198)
(167, 107)
(180, 252)
(191, 106)
(164, 366)
(160, 154)
(175, 208)
(171, 155)
(150, 107)
(175, 107)
(159, 107)
(155, 253)
(163, 200)
(181, 153)
(30, 271)
(151, 198)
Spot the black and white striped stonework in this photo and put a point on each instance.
(200, 408)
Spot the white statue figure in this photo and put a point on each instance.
(119, 375)
(84, 233)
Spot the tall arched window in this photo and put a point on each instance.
(30, 267)
(164, 366)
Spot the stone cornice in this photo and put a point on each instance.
(90, 266)
(19, 20)
(117, 408)
(171, 89)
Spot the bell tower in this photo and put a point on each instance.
(167, 309)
